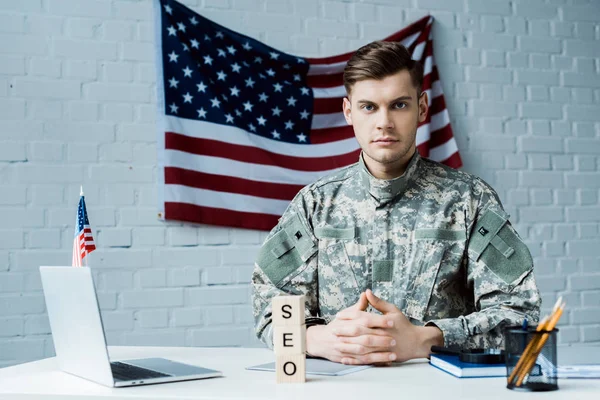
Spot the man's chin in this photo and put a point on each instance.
(387, 156)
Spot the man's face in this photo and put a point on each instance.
(385, 114)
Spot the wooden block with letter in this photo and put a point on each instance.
(291, 368)
(288, 310)
(289, 338)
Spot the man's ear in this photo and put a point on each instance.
(347, 108)
(423, 106)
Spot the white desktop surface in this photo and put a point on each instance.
(412, 380)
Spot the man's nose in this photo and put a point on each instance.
(384, 120)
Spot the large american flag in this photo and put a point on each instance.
(243, 126)
(83, 243)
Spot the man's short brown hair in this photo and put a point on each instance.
(380, 59)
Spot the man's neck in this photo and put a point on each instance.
(387, 171)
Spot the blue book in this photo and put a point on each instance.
(452, 365)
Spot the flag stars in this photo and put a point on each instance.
(181, 26)
(301, 137)
(215, 102)
(289, 124)
(276, 135)
(187, 72)
(286, 66)
(246, 46)
(207, 38)
(173, 82)
(304, 114)
(201, 113)
(221, 53)
(300, 60)
(221, 75)
(219, 35)
(270, 72)
(185, 47)
(234, 91)
(193, 21)
(229, 118)
(305, 91)
(291, 101)
(231, 50)
(249, 82)
(168, 9)
(195, 43)
(263, 97)
(258, 60)
(238, 113)
(252, 127)
(248, 106)
(235, 67)
(276, 111)
(174, 108)
(187, 98)
(277, 87)
(201, 87)
(172, 31)
(173, 57)
(208, 60)
(261, 120)
(274, 56)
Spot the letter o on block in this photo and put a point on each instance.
(289, 366)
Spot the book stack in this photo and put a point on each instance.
(289, 338)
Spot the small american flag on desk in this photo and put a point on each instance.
(243, 126)
(83, 243)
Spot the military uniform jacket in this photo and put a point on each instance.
(435, 242)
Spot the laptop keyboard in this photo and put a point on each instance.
(128, 372)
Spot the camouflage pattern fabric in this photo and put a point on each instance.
(435, 242)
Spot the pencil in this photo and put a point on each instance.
(540, 344)
(541, 326)
(532, 344)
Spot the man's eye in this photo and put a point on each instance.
(400, 105)
(368, 107)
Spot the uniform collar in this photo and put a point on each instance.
(385, 190)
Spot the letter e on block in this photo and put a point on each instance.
(288, 310)
(289, 340)
(291, 368)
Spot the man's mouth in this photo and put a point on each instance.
(385, 140)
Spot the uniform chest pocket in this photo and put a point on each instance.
(431, 248)
(338, 287)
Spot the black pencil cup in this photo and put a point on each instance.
(540, 375)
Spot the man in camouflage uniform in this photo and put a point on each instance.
(396, 252)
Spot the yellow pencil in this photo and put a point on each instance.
(532, 344)
(528, 366)
(541, 326)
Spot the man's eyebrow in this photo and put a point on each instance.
(401, 98)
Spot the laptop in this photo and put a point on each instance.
(79, 338)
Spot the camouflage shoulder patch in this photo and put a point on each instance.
(497, 244)
(286, 250)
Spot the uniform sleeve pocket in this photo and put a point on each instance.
(286, 251)
(495, 242)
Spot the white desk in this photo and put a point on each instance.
(413, 380)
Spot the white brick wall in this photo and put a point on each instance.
(77, 105)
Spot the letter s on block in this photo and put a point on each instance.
(286, 310)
